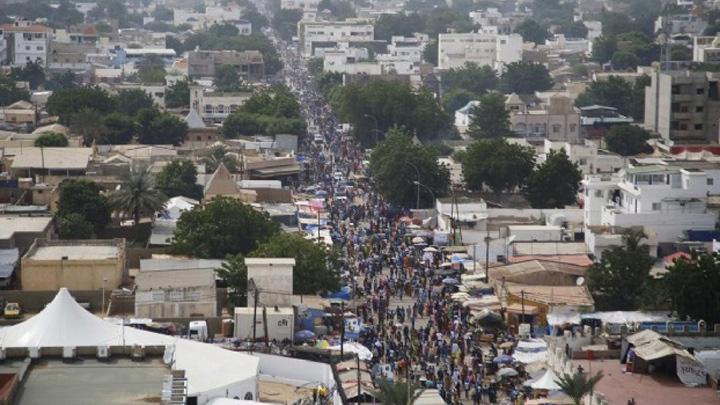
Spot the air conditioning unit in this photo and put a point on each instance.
(103, 352)
(69, 352)
(34, 352)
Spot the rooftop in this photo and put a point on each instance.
(43, 249)
(153, 280)
(120, 381)
(50, 158)
(9, 225)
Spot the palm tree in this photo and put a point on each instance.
(577, 385)
(400, 393)
(137, 196)
(219, 154)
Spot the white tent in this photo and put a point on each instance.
(211, 371)
(546, 382)
(530, 351)
(175, 206)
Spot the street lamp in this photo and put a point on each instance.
(417, 183)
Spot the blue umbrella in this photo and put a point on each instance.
(304, 335)
(503, 358)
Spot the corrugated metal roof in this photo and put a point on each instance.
(8, 260)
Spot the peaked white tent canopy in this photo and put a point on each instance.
(211, 371)
(546, 382)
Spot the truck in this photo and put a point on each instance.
(281, 323)
(198, 330)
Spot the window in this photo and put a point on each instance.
(656, 206)
(710, 181)
(573, 127)
(699, 109)
(208, 109)
(221, 109)
(39, 48)
(27, 47)
(556, 128)
(598, 193)
(700, 91)
(698, 127)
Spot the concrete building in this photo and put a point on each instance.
(587, 155)
(706, 49)
(25, 41)
(249, 64)
(324, 34)
(273, 278)
(19, 113)
(215, 106)
(65, 56)
(134, 56)
(20, 232)
(684, 106)
(557, 119)
(299, 4)
(181, 291)
(75, 264)
(666, 199)
(455, 50)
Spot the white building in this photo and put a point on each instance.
(329, 33)
(24, 41)
(587, 155)
(299, 4)
(554, 118)
(455, 50)
(568, 45)
(215, 106)
(706, 49)
(273, 278)
(406, 48)
(666, 199)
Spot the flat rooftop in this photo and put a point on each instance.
(74, 252)
(88, 381)
(9, 225)
(657, 389)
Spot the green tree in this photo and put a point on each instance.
(577, 385)
(178, 94)
(695, 286)
(66, 102)
(624, 60)
(179, 178)
(10, 93)
(221, 227)
(137, 196)
(285, 23)
(227, 78)
(617, 92)
(603, 49)
(397, 393)
(85, 198)
(59, 81)
(312, 273)
(74, 226)
(217, 155)
(573, 29)
(614, 24)
(160, 128)
(89, 124)
(118, 129)
(628, 140)
(456, 99)
(396, 164)
(129, 102)
(525, 78)
(489, 119)
(233, 274)
(623, 272)
(389, 25)
(472, 78)
(340, 9)
(554, 183)
(430, 53)
(51, 139)
(497, 164)
(532, 31)
(32, 73)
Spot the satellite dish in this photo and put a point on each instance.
(580, 281)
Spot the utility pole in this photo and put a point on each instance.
(253, 288)
(358, 378)
(487, 258)
(265, 326)
(522, 304)
(342, 330)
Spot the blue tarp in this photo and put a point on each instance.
(703, 236)
(343, 294)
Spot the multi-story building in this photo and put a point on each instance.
(215, 106)
(589, 158)
(250, 64)
(326, 34)
(556, 119)
(455, 50)
(406, 48)
(69, 56)
(136, 55)
(666, 199)
(25, 41)
(684, 106)
(492, 17)
(299, 4)
(706, 49)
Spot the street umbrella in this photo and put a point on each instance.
(503, 359)
(507, 372)
(450, 281)
(417, 240)
(304, 335)
(430, 249)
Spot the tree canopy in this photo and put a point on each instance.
(10, 93)
(396, 163)
(227, 78)
(694, 286)
(617, 92)
(628, 140)
(489, 119)
(497, 164)
(178, 94)
(532, 31)
(221, 227)
(84, 198)
(130, 102)
(312, 273)
(472, 78)
(555, 182)
(49, 139)
(623, 272)
(269, 112)
(233, 274)
(179, 178)
(525, 78)
(66, 102)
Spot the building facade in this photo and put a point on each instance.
(250, 64)
(312, 34)
(25, 42)
(455, 50)
(684, 106)
(215, 106)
